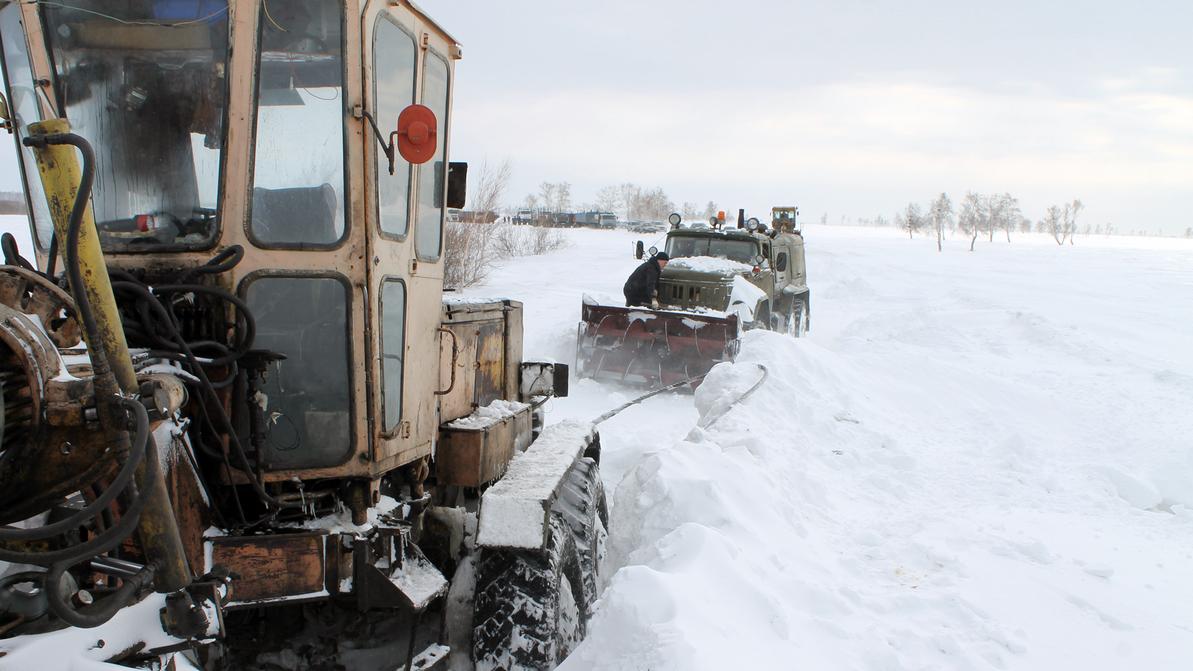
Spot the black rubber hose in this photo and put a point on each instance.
(111, 537)
(88, 617)
(220, 263)
(52, 262)
(242, 308)
(101, 502)
(12, 255)
(229, 430)
(99, 356)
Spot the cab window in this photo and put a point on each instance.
(298, 170)
(428, 235)
(22, 101)
(305, 319)
(393, 350)
(394, 55)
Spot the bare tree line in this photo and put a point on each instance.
(987, 215)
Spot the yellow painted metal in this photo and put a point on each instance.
(60, 173)
(60, 176)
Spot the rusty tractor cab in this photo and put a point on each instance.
(783, 218)
(273, 419)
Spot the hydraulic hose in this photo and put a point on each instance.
(118, 484)
(112, 536)
(95, 614)
(233, 439)
(99, 357)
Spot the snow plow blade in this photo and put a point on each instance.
(652, 347)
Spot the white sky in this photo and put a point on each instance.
(852, 108)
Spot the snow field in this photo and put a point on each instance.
(975, 461)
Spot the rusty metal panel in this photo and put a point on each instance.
(490, 363)
(457, 403)
(272, 567)
(473, 457)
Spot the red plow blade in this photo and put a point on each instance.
(653, 347)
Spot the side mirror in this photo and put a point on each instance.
(638, 252)
(457, 184)
(417, 140)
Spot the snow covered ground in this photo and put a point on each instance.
(974, 461)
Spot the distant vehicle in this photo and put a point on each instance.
(596, 219)
(524, 217)
(719, 281)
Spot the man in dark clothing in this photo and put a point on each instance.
(643, 286)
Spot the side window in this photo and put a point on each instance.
(22, 103)
(428, 234)
(393, 350)
(307, 416)
(298, 170)
(393, 88)
(781, 262)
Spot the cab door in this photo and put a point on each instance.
(407, 60)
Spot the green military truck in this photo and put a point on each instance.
(720, 281)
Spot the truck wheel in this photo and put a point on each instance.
(527, 614)
(582, 505)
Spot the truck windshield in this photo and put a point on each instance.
(742, 251)
(145, 84)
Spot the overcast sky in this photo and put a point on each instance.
(847, 108)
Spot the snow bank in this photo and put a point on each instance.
(971, 463)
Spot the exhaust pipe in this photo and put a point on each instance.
(741, 218)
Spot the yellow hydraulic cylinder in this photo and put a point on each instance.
(60, 175)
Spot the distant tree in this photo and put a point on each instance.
(1024, 225)
(972, 217)
(629, 200)
(710, 210)
(547, 195)
(1189, 232)
(608, 199)
(1070, 218)
(531, 202)
(1109, 228)
(689, 210)
(1054, 223)
(1041, 226)
(881, 221)
(490, 184)
(941, 215)
(824, 219)
(1011, 213)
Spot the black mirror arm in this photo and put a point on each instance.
(387, 148)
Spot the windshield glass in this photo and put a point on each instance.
(742, 251)
(144, 83)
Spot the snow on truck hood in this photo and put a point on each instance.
(709, 264)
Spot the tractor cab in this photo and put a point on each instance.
(271, 128)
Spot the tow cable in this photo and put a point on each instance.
(708, 421)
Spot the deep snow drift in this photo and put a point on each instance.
(974, 461)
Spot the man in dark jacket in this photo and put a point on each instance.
(643, 286)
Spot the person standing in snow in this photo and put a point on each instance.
(642, 288)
